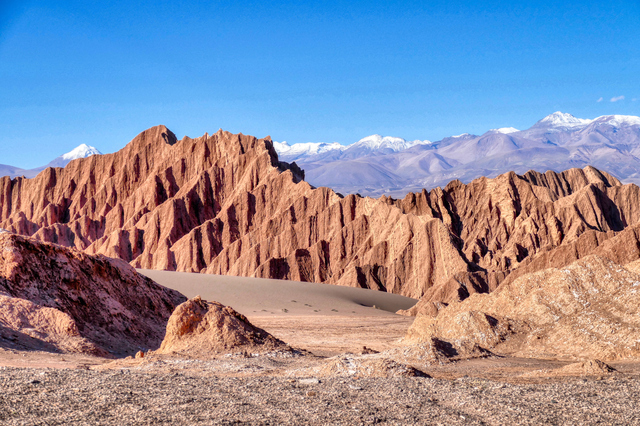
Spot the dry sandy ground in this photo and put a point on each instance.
(264, 297)
(290, 388)
(119, 397)
(324, 319)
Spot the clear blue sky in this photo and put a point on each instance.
(76, 72)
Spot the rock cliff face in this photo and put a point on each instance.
(54, 298)
(224, 204)
(588, 309)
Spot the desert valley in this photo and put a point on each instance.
(442, 227)
(206, 281)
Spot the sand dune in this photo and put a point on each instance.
(259, 296)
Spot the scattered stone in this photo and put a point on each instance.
(366, 351)
(102, 397)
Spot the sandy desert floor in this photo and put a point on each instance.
(326, 324)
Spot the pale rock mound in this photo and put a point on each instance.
(435, 351)
(586, 310)
(405, 361)
(592, 367)
(58, 299)
(400, 362)
(198, 327)
(367, 366)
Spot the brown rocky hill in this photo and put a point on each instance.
(588, 309)
(224, 204)
(59, 299)
(202, 328)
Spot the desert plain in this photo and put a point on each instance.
(318, 381)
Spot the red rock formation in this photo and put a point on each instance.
(198, 327)
(224, 204)
(55, 298)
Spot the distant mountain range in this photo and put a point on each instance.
(81, 151)
(371, 145)
(379, 165)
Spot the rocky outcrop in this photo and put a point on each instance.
(620, 247)
(366, 366)
(592, 367)
(198, 327)
(224, 204)
(586, 310)
(59, 299)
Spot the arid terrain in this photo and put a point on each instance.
(260, 299)
(327, 378)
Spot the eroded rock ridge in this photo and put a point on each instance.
(225, 204)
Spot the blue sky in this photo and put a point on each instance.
(98, 73)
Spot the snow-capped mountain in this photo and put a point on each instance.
(561, 120)
(374, 144)
(378, 165)
(618, 120)
(296, 151)
(378, 142)
(81, 151)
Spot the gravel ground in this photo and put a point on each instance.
(32, 396)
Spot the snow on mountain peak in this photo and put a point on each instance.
(619, 120)
(370, 143)
(461, 135)
(559, 120)
(307, 148)
(375, 142)
(505, 130)
(81, 151)
(563, 120)
(281, 147)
